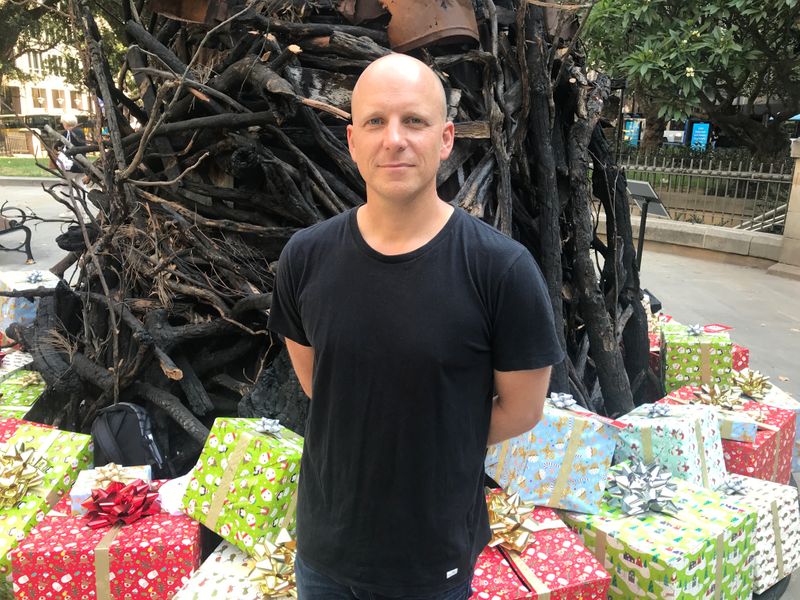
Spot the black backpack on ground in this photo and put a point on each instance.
(122, 434)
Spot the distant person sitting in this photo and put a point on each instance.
(73, 171)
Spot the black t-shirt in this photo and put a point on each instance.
(391, 494)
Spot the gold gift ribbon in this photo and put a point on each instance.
(560, 487)
(104, 476)
(501, 461)
(705, 362)
(777, 459)
(221, 493)
(726, 428)
(776, 528)
(102, 563)
(536, 584)
(701, 451)
(647, 444)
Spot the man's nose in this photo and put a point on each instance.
(393, 136)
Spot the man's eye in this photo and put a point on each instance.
(375, 121)
(415, 121)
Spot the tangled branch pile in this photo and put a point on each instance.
(242, 142)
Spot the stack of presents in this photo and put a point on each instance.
(685, 498)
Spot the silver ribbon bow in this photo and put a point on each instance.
(641, 488)
(733, 486)
(655, 411)
(694, 330)
(562, 401)
(35, 277)
(269, 426)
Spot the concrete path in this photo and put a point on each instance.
(695, 286)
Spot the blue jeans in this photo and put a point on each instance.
(313, 585)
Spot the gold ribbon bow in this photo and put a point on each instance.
(752, 383)
(32, 378)
(20, 470)
(274, 567)
(727, 398)
(509, 521)
(105, 475)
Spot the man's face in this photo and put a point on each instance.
(399, 136)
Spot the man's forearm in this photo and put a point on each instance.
(505, 425)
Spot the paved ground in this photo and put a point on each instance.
(694, 286)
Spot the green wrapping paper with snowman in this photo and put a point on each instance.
(244, 485)
(692, 356)
(662, 537)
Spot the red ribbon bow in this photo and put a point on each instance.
(121, 503)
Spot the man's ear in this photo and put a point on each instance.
(350, 142)
(448, 139)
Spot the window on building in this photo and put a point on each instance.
(10, 100)
(59, 101)
(76, 100)
(39, 98)
(35, 62)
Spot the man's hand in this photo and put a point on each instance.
(303, 363)
(519, 403)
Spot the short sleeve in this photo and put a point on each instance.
(523, 333)
(284, 314)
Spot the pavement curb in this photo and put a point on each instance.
(27, 180)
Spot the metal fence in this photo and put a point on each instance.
(745, 194)
(15, 141)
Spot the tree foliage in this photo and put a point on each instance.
(717, 57)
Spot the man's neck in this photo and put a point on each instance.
(393, 228)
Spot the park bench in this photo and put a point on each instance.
(10, 223)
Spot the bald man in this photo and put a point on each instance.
(402, 316)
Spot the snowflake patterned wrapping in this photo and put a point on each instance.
(777, 537)
(780, 399)
(14, 525)
(9, 426)
(740, 357)
(563, 462)
(687, 443)
(151, 558)
(225, 574)
(733, 425)
(20, 310)
(244, 484)
(694, 359)
(555, 557)
(708, 545)
(769, 457)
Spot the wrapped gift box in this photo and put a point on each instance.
(555, 562)
(733, 425)
(224, 574)
(707, 546)
(769, 457)
(87, 481)
(63, 557)
(21, 310)
(563, 462)
(777, 536)
(740, 357)
(244, 484)
(686, 442)
(9, 426)
(19, 391)
(12, 362)
(67, 454)
(15, 523)
(694, 359)
(780, 399)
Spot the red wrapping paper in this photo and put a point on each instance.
(557, 557)
(770, 456)
(152, 558)
(9, 426)
(740, 357)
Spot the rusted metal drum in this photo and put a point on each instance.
(417, 23)
(192, 11)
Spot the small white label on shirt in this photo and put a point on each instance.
(451, 573)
